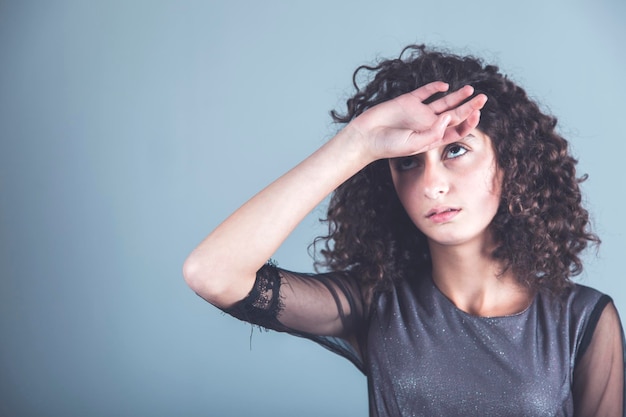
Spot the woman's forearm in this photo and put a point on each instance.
(222, 268)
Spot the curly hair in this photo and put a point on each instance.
(540, 227)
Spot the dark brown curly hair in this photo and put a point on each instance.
(540, 227)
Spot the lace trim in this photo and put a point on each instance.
(263, 304)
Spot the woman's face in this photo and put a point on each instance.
(451, 193)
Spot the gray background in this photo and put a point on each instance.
(129, 129)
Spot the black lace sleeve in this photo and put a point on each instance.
(263, 304)
(326, 308)
(599, 375)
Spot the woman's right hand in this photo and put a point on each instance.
(407, 126)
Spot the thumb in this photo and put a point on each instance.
(438, 130)
(442, 123)
(431, 137)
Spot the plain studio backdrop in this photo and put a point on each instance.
(130, 129)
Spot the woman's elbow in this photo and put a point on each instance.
(191, 273)
(200, 279)
(209, 283)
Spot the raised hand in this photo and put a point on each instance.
(406, 126)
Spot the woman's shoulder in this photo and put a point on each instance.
(578, 308)
(582, 298)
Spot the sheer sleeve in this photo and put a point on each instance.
(327, 308)
(599, 384)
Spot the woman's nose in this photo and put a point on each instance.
(435, 183)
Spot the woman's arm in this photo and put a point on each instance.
(222, 268)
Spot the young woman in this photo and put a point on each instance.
(454, 228)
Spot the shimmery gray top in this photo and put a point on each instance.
(425, 357)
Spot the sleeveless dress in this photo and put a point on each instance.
(425, 357)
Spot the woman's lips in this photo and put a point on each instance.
(442, 215)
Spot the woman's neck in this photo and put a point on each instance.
(475, 282)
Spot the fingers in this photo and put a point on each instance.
(456, 132)
(461, 113)
(452, 100)
(442, 132)
(429, 90)
(431, 138)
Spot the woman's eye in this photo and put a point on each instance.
(406, 163)
(454, 151)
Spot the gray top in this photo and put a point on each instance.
(425, 357)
